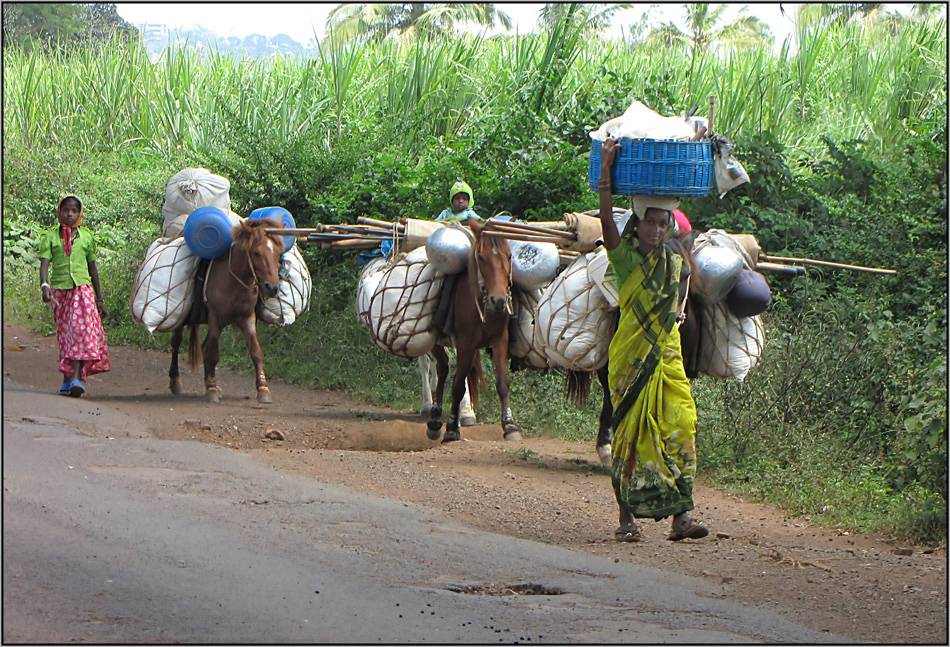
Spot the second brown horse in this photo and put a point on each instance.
(482, 309)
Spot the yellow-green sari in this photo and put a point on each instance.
(654, 444)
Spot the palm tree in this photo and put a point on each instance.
(377, 21)
(592, 18)
(705, 32)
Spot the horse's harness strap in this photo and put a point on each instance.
(480, 303)
(255, 282)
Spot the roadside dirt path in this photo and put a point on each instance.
(866, 587)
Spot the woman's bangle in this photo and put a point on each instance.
(44, 285)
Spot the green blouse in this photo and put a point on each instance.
(67, 272)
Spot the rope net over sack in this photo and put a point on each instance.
(574, 323)
(164, 287)
(731, 345)
(293, 296)
(402, 305)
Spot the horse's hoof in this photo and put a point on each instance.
(425, 412)
(175, 387)
(433, 434)
(512, 431)
(467, 421)
(213, 394)
(263, 395)
(606, 455)
(451, 435)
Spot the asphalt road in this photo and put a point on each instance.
(110, 536)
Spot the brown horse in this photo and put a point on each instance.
(482, 309)
(231, 290)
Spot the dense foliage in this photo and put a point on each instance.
(845, 140)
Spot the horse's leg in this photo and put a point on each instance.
(174, 379)
(466, 412)
(211, 354)
(434, 425)
(464, 359)
(425, 370)
(249, 328)
(500, 361)
(604, 450)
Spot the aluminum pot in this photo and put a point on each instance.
(533, 265)
(715, 272)
(448, 249)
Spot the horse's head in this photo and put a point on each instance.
(263, 252)
(493, 261)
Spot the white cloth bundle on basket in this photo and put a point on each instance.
(521, 343)
(402, 305)
(164, 287)
(189, 189)
(574, 323)
(293, 296)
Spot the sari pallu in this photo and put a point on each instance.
(654, 454)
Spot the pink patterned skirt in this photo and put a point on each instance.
(79, 331)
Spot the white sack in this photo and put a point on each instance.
(369, 280)
(731, 345)
(293, 296)
(189, 189)
(521, 344)
(574, 322)
(401, 308)
(164, 287)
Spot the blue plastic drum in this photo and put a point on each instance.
(207, 232)
(278, 214)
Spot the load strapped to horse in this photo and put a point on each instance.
(210, 266)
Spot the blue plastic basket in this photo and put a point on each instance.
(657, 167)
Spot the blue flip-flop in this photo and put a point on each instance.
(64, 389)
(76, 388)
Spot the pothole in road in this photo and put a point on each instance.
(506, 589)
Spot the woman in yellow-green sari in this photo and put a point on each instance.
(654, 444)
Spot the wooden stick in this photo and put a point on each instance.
(811, 261)
(712, 110)
(290, 232)
(526, 228)
(525, 238)
(775, 268)
(363, 220)
(348, 244)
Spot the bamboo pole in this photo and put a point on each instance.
(811, 261)
(363, 220)
(775, 268)
(525, 238)
(526, 228)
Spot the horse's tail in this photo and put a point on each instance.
(578, 387)
(476, 377)
(194, 348)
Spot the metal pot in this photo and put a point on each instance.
(448, 249)
(533, 265)
(715, 272)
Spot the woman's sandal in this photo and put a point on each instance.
(692, 529)
(627, 532)
(76, 388)
(64, 389)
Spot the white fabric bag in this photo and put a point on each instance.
(402, 306)
(189, 189)
(574, 322)
(164, 287)
(293, 296)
